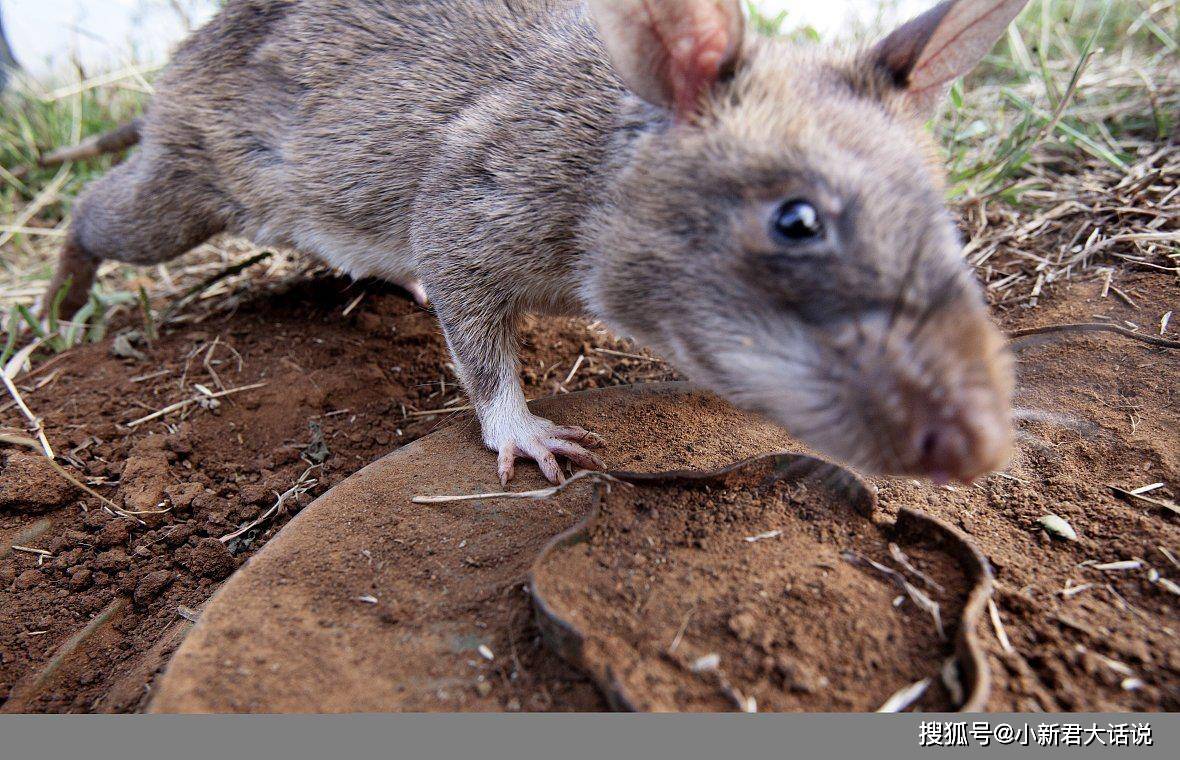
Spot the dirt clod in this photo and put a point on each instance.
(152, 585)
(80, 578)
(210, 558)
(29, 484)
(114, 533)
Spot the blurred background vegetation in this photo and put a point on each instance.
(1081, 89)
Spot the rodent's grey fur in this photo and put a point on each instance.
(488, 149)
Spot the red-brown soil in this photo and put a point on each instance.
(1113, 407)
(355, 377)
(368, 601)
(755, 589)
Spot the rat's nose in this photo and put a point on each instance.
(961, 447)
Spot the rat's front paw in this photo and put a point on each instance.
(539, 439)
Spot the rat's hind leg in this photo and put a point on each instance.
(148, 210)
(74, 275)
(415, 289)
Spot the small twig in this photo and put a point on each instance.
(543, 493)
(1076, 327)
(182, 404)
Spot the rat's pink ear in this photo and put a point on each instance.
(926, 54)
(670, 52)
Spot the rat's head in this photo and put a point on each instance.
(780, 233)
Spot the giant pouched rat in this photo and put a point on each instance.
(766, 215)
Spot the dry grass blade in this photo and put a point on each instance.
(904, 697)
(29, 443)
(34, 421)
(31, 550)
(187, 402)
(35, 231)
(131, 72)
(20, 359)
(1001, 635)
(443, 410)
(1139, 496)
(1120, 566)
(43, 199)
(900, 558)
(196, 290)
(542, 493)
(302, 485)
(915, 594)
(19, 440)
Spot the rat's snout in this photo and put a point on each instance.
(933, 396)
(954, 385)
(961, 446)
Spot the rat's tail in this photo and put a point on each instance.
(117, 139)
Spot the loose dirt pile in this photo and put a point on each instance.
(758, 589)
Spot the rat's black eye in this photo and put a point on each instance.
(794, 222)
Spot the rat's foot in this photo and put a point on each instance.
(539, 439)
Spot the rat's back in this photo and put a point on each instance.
(318, 118)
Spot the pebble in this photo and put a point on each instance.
(114, 533)
(28, 579)
(1058, 527)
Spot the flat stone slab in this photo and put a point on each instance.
(367, 602)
